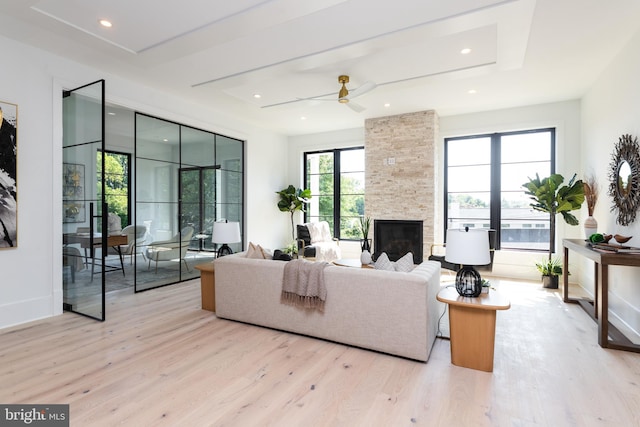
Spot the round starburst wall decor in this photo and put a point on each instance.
(624, 179)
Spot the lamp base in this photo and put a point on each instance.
(224, 250)
(468, 282)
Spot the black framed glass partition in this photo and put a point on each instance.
(85, 240)
(186, 179)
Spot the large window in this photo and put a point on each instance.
(336, 181)
(483, 185)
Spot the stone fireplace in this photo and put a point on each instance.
(401, 175)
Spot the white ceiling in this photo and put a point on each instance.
(221, 53)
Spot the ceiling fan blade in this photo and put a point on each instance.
(366, 87)
(355, 107)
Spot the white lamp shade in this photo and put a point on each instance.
(468, 247)
(226, 232)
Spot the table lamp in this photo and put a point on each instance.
(224, 233)
(468, 248)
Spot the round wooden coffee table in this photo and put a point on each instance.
(351, 262)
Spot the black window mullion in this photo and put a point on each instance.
(496, 190)
(336, 193)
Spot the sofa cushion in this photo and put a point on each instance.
(303, 234)
(383, 263)
(405, 264)
(257, 252)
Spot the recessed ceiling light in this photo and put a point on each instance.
(303, 118)
(465, 51)
(472, 91)
(387, 105)
(105, 23)
(111, 113)
(165, 140)
(257, 96)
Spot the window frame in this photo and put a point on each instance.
(495, 189)
(336, 184)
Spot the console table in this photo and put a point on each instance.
(608, 335)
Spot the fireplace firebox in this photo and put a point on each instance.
(396, 238)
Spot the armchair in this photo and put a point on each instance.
(174, 248)
(136, 236)
(315, 241)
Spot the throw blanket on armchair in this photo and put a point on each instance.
(303, 284)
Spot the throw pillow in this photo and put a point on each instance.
(405, 264)
(255, 251)
(383, 263)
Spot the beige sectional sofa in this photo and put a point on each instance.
(386, 311)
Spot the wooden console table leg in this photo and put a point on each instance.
(602, 304)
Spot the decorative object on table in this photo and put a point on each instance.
(624, 179)
(114, 224)
(365, 257)
(486, 286)
(225, 232)
(365, 225)
(291, 249)
(591, 192)
(468, 248)
(550, 269)
(8, 175)
(550, 196)
(599, 238)
(292, 200)
(622, 239)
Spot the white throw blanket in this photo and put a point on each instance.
(303, 284)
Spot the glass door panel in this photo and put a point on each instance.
(83, 248)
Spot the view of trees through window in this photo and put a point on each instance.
(484, 177)
(116, 177)
(336, 181)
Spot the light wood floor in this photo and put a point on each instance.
(159, 360)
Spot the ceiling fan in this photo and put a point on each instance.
(345, 96)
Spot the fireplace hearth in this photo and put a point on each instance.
(397, 237)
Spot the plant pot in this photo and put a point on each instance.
(550, 282)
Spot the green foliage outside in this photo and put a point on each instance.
(351, 200)
(116, 179)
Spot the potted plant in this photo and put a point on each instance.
(291, 200)
(550, 269)
(365, 225)
(550, 196)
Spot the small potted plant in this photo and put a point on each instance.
(550, 269)
(486, 285)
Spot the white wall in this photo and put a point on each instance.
(610, 109)
(31, 285)
(565, 118)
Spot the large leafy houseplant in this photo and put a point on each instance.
(293, 199)
(550, 196)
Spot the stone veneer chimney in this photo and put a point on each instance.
(401, 165)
